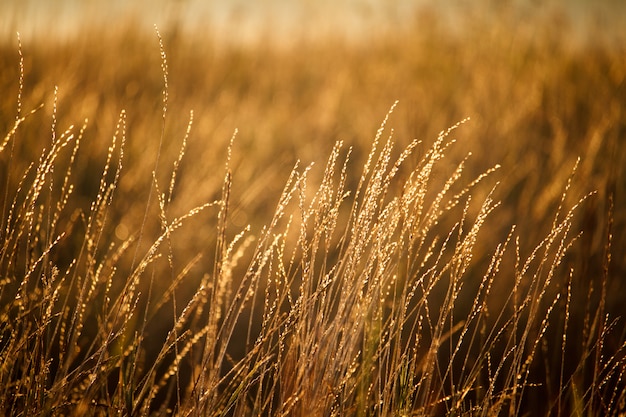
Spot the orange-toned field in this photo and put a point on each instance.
(194, 227)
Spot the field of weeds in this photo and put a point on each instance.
(427, 223)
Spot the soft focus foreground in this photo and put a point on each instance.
(161, 254)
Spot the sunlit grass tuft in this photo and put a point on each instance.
(394, 276)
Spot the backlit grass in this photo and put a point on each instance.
(192, 229)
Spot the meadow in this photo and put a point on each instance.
(427, 223)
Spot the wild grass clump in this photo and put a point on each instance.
(384, 282)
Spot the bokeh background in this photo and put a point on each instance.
(244, 21)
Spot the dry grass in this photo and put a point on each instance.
(474, 274)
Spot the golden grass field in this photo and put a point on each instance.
(430, 222)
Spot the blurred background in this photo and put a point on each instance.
(281, 20)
